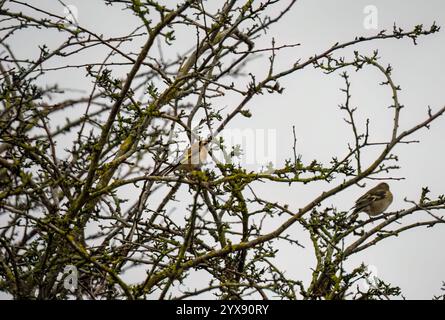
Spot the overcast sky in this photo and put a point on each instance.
(415, 260)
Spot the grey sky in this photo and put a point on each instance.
(415, 261)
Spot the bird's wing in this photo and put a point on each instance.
(369, 197)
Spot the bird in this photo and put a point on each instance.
(375, 201)
(192, 159)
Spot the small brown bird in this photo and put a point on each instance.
(192, 159)
(375, 201)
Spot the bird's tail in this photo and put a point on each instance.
(355, 210)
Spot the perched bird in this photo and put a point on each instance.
(375, 201)
(192, 159)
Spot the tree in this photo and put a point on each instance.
(102, 206)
